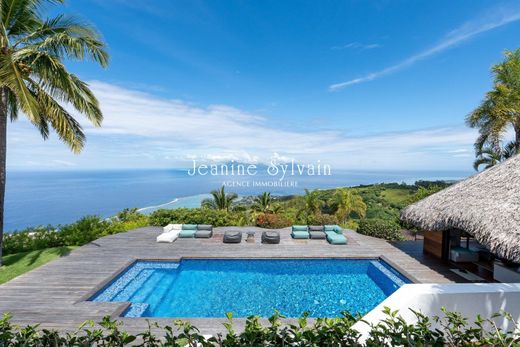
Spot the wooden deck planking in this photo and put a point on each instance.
(54, 293)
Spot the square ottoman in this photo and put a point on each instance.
(204, 231)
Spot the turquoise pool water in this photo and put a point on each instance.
(210, 288)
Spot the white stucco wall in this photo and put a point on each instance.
(467, 299)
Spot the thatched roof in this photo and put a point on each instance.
(485, 205)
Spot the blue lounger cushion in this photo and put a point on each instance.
(187, 233)
(300, 234)
(189, 227)
(336, 239)
(300, 228)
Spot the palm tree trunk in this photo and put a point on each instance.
(3, 152)
(517, 137)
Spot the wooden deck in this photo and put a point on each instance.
(55, 293)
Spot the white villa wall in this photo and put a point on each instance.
(467, 299)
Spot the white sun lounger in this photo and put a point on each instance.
(171, 227)
(169, 236)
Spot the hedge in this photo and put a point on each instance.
(83, 231)
(383, 229)
(272, 221)
(216, 218)
(450, 330)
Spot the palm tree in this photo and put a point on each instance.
(500, 109)
(347, 202)
(312, 203)
(263, 202)
(220, 200)
(35, 82)
(488, 156)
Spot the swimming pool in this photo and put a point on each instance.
(211, 287)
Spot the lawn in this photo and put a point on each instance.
(397, 196)
(20, 263)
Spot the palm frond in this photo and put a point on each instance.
(67, 128)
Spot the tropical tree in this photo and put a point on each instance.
(220, 200)
(488, 156)
(500, 109)
(311, 204)
(347, 201)
(34, 80)
(262, 203)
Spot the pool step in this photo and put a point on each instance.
(136, 309)
(385, 278)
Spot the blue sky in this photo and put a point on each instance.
(355, 84)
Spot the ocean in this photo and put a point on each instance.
(41, 198)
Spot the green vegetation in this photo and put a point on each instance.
(497, 113)
(348, 202)
(83, 231)
(262, 203)
(454, 330)
(216, 218)
(488, 157)
(14, 265)
(220, 200)
(380, 228)
(34, 81)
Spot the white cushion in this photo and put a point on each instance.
(169, 236)
(171, 227)
(167, 228)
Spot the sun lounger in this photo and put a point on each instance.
(232, 237)
(168, 236)
(300, 232)
(335, 235)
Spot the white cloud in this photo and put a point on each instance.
(357, 46)
(495, 19)
(140, 130)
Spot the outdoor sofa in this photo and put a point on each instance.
(333, 233)
(463, 255)
(173, 231)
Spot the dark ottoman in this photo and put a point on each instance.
(317, 232)
(272, 237)
(232, 237)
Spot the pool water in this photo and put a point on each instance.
(212, 287)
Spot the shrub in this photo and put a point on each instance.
(216, 218)
(383, 229)
(322, 219)
(451, 330)
(83, 231)
(272, 221)
(32, 239)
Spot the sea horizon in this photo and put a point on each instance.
(64, 196)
